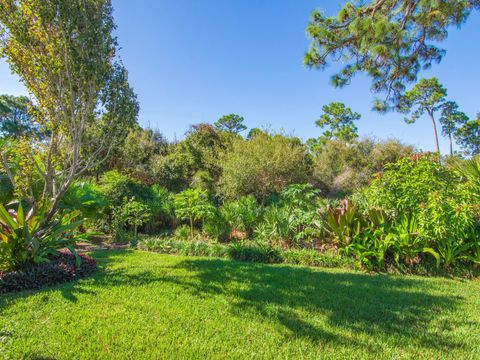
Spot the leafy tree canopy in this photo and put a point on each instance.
(338, 120)
(231, 123)
(468, 136)
(390, 40)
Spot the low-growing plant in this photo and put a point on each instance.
(182, 232)
(62, 267)
(25, 240)
(217, 227)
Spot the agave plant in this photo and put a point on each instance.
(24, 241)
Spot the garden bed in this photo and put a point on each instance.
(61, 268)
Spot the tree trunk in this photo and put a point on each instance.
(191, 228)
(434, 124)
(451, 144)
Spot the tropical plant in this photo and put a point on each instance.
(24, 241)
(217, 227)
(344, 222)
(242, 214)
(136, 214)
(193, 205)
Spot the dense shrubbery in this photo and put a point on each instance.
(341, 169)
(62, 267)
(417, 208)
(263, 165)
(416, 213)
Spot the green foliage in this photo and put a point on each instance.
(231, 123)
(340, 169)
(406, 186)
(193, 162)
(426, 209)
(24, 240)
(245, 251)
(114, 187)
(135, 154)
(263, 165)
(242, 214)
(14, 119)
(136, 214)
(427, 96)
(161, 207)
(182, 232)
(389, 40)
(85, 198)
(452, 119)
(193, 205)
(294, 220)
(217, 227)
(80, 91)
(6, 189)
(468, 136)
(339, 122)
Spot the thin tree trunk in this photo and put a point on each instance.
(451, 144)
(434, 124)
(191, 228)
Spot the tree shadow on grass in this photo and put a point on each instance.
(398, 308)
(311, 304)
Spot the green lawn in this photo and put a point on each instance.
(145, 305)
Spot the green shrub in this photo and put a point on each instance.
(6, 189)
(418, 209)
(263, 165)
(243, 214)
(342, 168)
(255, 253)
(115, 187)
(161, 208)
(182, 232)
(289, 225)
(84, 197)
(217, 227)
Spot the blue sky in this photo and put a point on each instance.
(192, 61)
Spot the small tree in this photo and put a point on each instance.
(231, 123)
(451, 119)
(136, 214)
(427, 96)
(193, 205)
(338, 120)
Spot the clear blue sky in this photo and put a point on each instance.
(192, 61)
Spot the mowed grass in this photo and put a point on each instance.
(147, 306)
